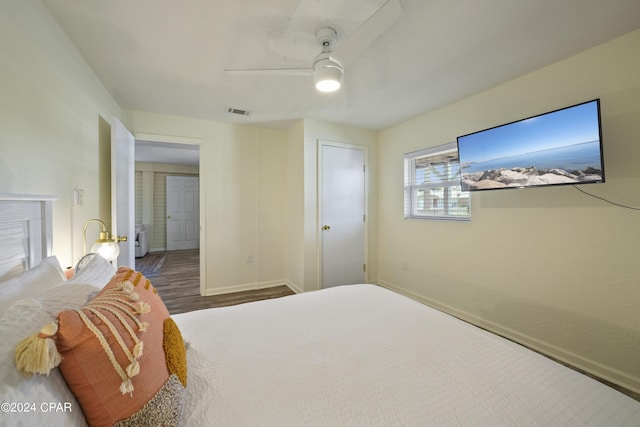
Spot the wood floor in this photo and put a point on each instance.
(179, 286)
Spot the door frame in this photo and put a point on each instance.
(319, 237)
(152, 137)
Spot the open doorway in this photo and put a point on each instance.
(156, 163)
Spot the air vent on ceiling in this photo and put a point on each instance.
(237, 111)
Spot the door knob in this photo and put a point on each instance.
(326, 227)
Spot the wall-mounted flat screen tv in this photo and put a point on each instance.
(556, 148)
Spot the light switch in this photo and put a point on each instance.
(78, 197)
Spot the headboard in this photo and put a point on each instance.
(26, 232)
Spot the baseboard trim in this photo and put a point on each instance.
(295, 288)
(589, 367)
(249, 287)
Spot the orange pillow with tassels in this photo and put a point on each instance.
(122, 355)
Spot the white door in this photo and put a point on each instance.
(122, 190)
(183, 213)
(343, 215)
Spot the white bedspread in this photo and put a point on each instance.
(361, 355)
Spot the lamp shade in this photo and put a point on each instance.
(327, 74)
(105, 245)
(108, 249)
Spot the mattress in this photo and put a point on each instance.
(363, 355)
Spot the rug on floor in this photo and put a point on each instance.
(150, 264)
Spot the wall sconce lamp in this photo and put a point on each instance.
(106, 245)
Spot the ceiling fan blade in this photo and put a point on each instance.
(377, 24)
(271, 71)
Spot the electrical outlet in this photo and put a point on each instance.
(250, 259)
(405, 265)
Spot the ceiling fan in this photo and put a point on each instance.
(327, 71)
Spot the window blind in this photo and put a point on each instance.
(432, 185)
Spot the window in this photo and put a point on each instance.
(432, 185)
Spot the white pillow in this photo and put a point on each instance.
(23, 319)
(31, 283)
(77, 291)
(64, 297)
(26, 317)
(96, 273)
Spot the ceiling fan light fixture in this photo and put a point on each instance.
(327, 75)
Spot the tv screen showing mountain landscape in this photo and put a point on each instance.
(555, 148)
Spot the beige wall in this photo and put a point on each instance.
(51, 105)
(550, 267)
(314, 132)
(295, 186)
(259, 191)
(242, 174)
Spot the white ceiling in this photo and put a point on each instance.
(169, 57)
(166, 152)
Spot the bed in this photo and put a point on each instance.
(351, 355)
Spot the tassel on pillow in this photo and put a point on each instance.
(38, 354)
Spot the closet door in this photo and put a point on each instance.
(183, 213)
(342, 215)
